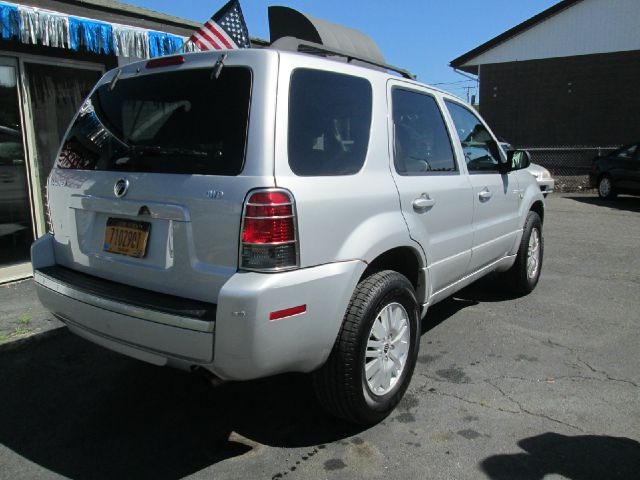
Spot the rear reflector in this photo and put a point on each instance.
(166, 61)
(289, 312)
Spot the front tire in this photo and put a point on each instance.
(605, 188)
(523, 276)
(372, 361)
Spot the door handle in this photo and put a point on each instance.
(485, 194)
(423, 202)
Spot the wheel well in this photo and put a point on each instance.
(402, 260)
(538, 207)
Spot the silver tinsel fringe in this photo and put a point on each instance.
(53, 30)
(130, 42)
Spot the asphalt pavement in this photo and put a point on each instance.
(544, 386)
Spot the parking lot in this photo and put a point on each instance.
(505, 388)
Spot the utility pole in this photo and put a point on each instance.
(468, 89)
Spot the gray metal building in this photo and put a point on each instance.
(566, 77)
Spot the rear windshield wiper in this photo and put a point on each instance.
(217, 68)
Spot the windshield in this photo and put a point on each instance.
(178, 122)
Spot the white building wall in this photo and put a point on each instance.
(588, 27)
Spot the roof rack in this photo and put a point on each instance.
(317, 49)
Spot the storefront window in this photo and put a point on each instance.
(16, 232)
(56, 93)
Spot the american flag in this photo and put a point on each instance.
(224, 31)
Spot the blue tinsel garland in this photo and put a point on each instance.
(87, 35)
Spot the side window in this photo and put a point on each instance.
(475, 138)
(421, 141)
(329, 123)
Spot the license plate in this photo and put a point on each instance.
(126, 237)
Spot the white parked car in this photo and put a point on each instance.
(543, 175)
(279, 212)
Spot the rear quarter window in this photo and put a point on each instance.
(329, 123)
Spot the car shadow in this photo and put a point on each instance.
(627, 203)
(84, 412)
(444, 310)
(491, 289)
(584, 457)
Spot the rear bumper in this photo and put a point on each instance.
(89, 308)
(241, 343)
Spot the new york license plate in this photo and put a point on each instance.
(126, 237)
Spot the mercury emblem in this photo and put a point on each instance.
(121, 187)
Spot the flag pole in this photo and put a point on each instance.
(184, 44)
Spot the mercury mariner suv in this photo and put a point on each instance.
(261, 211)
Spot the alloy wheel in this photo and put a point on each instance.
(387, 349)
(533, 254)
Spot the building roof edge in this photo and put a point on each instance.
(459, 63)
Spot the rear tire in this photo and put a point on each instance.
(605, 188)
(523, 276)
(380, 333)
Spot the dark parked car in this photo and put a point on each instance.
(618, 172)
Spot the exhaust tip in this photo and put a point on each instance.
(210, 377)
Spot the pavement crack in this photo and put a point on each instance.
(602, 372)
(552, 344)
(524, 410)
(433, 391)
(549, 343)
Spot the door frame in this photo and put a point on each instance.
(19, 270)
(18, 60)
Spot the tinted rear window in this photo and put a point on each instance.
(422, 145)
(176, 122)
(329, 123)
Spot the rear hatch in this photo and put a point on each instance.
(150, 180)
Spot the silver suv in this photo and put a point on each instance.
(265, 211)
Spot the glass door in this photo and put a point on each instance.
(55, 91)
(16, 219)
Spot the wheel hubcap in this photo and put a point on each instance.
(605, 187)
(533, 254)
(387, 349)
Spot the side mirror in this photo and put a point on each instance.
(518, 159)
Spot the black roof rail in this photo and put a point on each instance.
(317, 49)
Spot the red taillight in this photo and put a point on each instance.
(269, 237)
(166, 61)
(267, 230)
(269, 204)
(267, 197)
